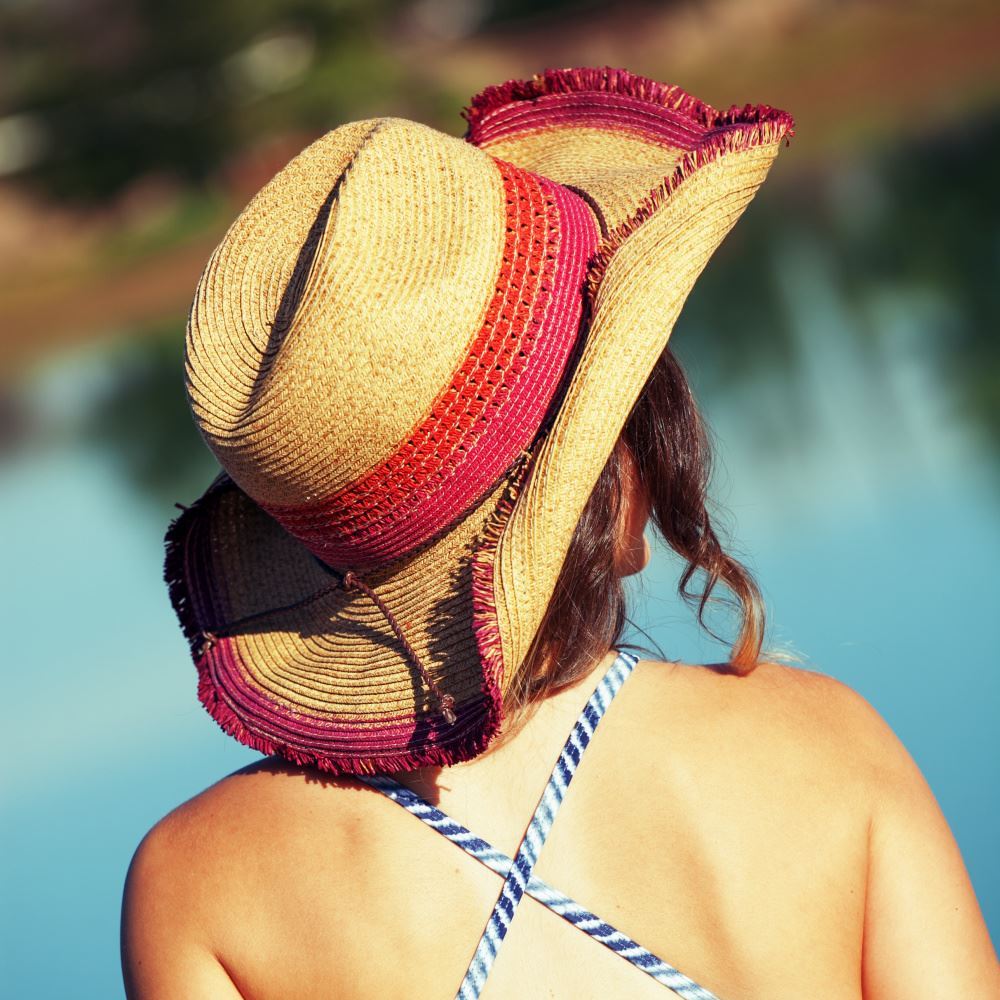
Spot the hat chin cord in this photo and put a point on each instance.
(348, 581)
(351, 581)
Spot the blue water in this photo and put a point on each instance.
(866, 509)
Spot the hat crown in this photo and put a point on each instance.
(380, 332)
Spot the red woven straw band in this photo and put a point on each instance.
(495, 402)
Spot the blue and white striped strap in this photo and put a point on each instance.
(517, 873)
(540, 890)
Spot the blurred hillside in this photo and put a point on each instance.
(134, 131)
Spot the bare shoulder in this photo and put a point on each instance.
(165, 950)
(777, 709)
(270, 802)
(922, 923)
(230, 842)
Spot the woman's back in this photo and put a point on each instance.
(721, 822)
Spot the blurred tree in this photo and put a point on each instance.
(104, 91)
(937, 234)
(143, 420)
(914, 222)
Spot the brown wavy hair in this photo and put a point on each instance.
(665, 443)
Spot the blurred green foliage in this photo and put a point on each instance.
(937, 234)
(915, 224)
(120, 88)
(143, 421)
(106, 91)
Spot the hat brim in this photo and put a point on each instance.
(638, 282)
(303, 681)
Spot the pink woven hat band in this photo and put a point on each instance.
(412, 355)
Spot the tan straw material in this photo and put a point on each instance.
(412, 355)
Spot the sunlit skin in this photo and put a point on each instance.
(768, 835)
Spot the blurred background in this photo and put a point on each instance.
(843, 344)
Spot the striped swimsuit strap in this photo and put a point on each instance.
(517, 872)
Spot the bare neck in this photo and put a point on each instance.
(541, 736)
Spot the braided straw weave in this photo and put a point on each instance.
(412, 355)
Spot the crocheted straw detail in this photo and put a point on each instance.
(495, 401)
(237, 696)
(496, 357)
(499, 111)
(485, 620)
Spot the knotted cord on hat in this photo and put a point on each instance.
(348, 581)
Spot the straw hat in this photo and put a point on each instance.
(412, 355)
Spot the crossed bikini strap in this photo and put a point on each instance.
(518, 872)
